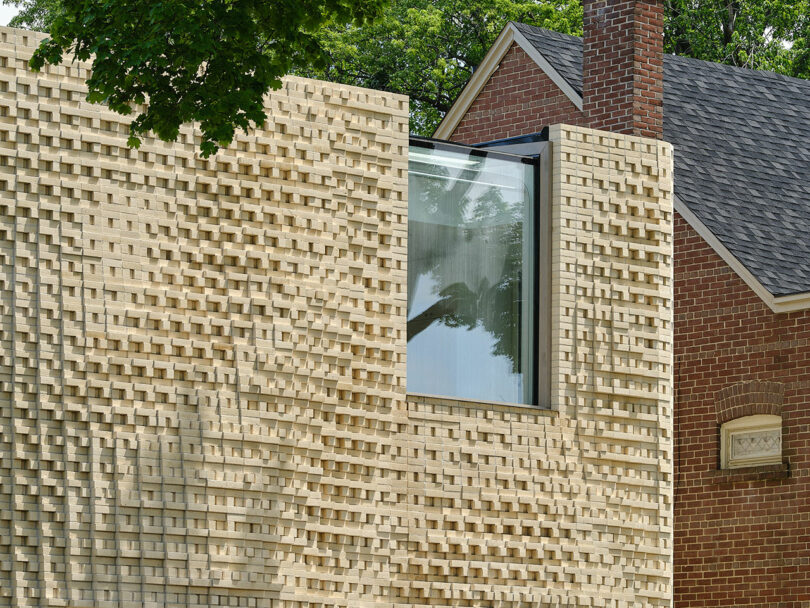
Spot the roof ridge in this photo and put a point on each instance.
(537, 28)
(755, 72)
(669, 57)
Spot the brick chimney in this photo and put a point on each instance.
(623, 66)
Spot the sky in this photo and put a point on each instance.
(6, 13)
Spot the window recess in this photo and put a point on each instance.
(472, 273)
(751, 441)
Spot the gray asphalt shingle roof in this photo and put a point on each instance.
(742, 155)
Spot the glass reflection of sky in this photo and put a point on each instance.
(468, 275)
(456, 361)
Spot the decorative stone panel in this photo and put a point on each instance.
(751, 441)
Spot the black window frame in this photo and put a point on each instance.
(539, 343)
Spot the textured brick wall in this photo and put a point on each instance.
(200, 359)
(202, 372)
(741, 538)
(623, 66)
(516, 507)
(518, 99)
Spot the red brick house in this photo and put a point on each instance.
(742, 274)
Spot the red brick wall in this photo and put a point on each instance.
(623, 66)
(518, 99)
(741, 539)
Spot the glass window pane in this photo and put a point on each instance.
(470, 275)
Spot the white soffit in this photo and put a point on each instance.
(487, 67)
(777, 304)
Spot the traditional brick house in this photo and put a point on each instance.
(742, 274)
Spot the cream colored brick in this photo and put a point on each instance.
(571, 506)
(202, 371)
(197, 402)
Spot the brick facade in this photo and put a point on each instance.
(497, 496)
(519, 98)
(200, 359)
(202, 371)
(741, 538)
(623, 66)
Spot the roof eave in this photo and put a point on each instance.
(777, 304)
(510, 34)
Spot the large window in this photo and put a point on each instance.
(471, 274)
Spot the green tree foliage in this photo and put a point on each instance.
(211, 60)
(178, 61)
(428, 49)
(760, 34)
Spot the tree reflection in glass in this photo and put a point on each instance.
(470, 275)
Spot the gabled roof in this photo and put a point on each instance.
(563, 51)
(742, 160)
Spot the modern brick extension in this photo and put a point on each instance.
(203, 371)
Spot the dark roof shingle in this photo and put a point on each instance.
(741, 155)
